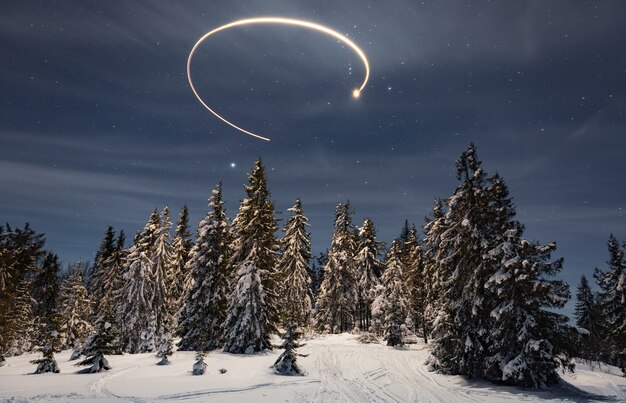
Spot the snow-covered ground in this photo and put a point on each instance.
(338, 369)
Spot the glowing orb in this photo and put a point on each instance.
(275, 20)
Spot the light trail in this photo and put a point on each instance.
(275, 20)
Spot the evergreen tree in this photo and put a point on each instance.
(462, 325)
(368, 270)
(181, 247)
(99, 345)
(113, 282)
(286, 362)
(317, 273)
(19, 322)
(529, 340)
(293, 268)
(48, 363)
(162, 276)
(391, 303)
(45, 291)
(252, 309)
(199, 366)
(417, 286)
(337, 299)
(165, 349)
(613, 301)
(589, 318)
(74, 311)
(136, 306)
(203, 316)
(98, 273)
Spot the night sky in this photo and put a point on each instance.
(98, 124)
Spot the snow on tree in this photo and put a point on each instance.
(181, 247)
(590, 319)
(253, 310)
(317, 273)
(337, 299)
(99, 345)
(112, 281)
(417, 285)
(293, 268)
(204, 313)
(368, 270)
(462, 325)
(138, 321)
(98, 273)
(199, 367)
(391, 302)
(613, 301)
(162, 275)
(165, 349)
(74, 311)
(286, 363)
(528, 340)
(18, 333)
(52, 345)
(45, 291)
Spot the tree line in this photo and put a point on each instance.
(472, 286)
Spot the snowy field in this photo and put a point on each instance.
(338, 369)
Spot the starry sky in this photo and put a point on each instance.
(98, 124)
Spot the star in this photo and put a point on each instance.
(233, 165)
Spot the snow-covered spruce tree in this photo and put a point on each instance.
(337, 299)
(18, 333)
(74, 311)
(162, 307)
(202, 319)
(181, 247)
(21, 252)
(165, 349)
(253, 311)
(99, 345)
(433, 253)
(417, 286)
(368, 271)
(112, 283)
(199, 366)
(591, 323)
(138, 322)
(45, 291)
(98, 273)
(51, 345)
(462, 326)
(286, 362)
(528, 340)
(317, 273)
(391, 303)
(293, 269)
(613, 301)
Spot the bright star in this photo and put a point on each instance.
(232, 165)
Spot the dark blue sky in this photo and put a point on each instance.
(98, 125)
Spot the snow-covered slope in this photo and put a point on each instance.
(339, 369)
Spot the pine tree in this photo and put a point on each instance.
(461, 328)
(252, 309)
(204, 313)
(45, 291)
(293, 268)
(286, 362)
(613, 301)
(368, 271)
(317, 273)
(199, 367)
(162, 277)
(18, 333)
(529, 340)
(112, 283)
(98, 273)
(136, 306)
(181, 247)
(74, 311)
(165, 349)
(590, 319)
(337, 299)
(99, 345)
(52, 345)
(391, 303)
(417, 286)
